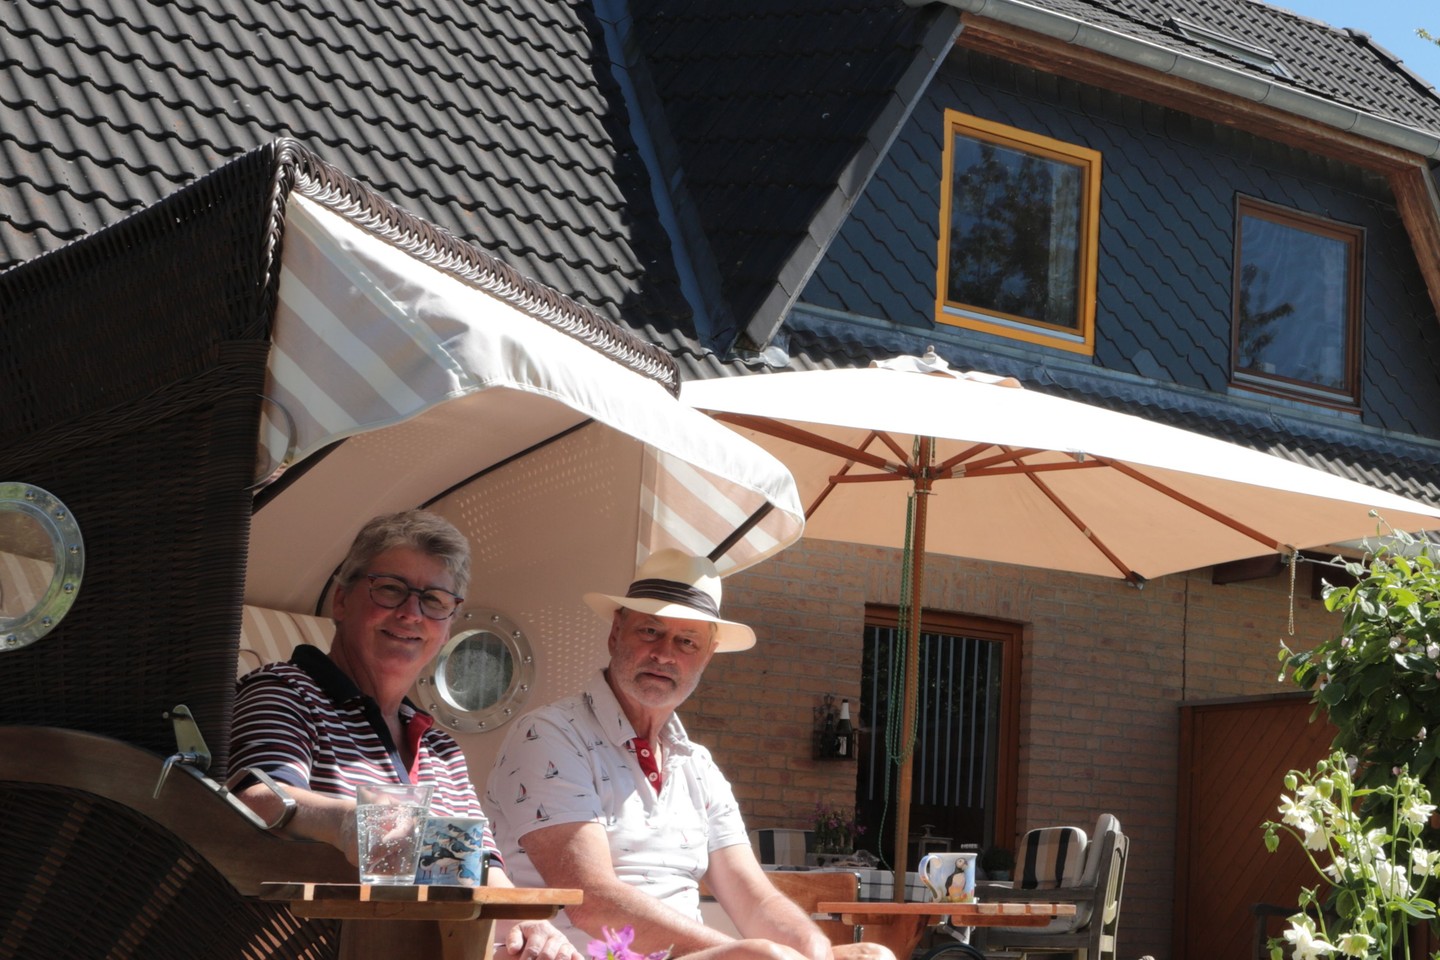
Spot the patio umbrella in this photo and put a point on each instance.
(1000, 473)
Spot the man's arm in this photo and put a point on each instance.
(757, 908)
(578, 855)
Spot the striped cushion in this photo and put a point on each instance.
(782, 847)
(269, 636)
(1051, 857)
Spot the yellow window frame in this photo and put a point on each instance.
(1080, 339)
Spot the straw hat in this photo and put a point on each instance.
(674, 584)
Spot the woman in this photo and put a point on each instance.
(322, 724)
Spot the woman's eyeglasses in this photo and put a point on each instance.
(391, 592)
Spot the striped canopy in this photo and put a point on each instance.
(565, 467)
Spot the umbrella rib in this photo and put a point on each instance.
(815, 441)
(1085, 531)
(902, 472)
(1199, 507)
(945, 465)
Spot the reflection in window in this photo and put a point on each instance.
(27, 564)
(478, 671)
(1297, 304)
(1019, 231)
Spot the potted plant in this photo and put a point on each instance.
(998, 863)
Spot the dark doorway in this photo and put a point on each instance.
(965, 740)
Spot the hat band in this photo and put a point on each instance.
(673, 591)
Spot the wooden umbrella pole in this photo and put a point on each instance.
(912, 667)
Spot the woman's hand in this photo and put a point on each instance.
(539, 940)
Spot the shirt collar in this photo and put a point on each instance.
(336, 682)
(618, 728)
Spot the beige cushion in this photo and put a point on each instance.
(268, 636)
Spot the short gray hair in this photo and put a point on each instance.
(421, 530)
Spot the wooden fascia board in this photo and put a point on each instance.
(1406, 172)
(1415, 196)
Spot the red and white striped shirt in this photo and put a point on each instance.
(305, 723)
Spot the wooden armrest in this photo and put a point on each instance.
(245, 854)
(1077, 895)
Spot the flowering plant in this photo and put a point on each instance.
(616, 946)
(1371, 856)
(835, 829)
(1378, 679)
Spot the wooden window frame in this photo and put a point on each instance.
(1347, 398)
(1010, 635)
(1081, 339)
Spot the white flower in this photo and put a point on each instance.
(1307, 945)
(1390, 883)
(1422, 861)
(1417, 813)
(1316, 837)
(1432, 650)
(1394, 643)
(1296, 814)
(1355, 944)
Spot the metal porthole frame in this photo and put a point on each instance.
(436, 698)
(67, 548)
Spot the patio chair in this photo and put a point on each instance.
(1092, 933)
(782, 847)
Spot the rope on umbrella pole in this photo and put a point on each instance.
(900, 742)
(897, 743)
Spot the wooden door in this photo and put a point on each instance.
(1233, 760)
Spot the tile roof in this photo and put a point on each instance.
(1343, 65)
(500, 121)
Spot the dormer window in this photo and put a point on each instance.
(1297, 307)
(1018, 234)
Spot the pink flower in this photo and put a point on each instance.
(616, 946)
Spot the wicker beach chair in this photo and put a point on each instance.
(132, 365)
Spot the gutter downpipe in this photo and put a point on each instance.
(1226, 79)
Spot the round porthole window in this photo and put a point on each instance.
(481, 677)
(41, 559)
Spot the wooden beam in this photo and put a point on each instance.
(1415, 195)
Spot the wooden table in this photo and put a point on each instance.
(899, 926)
(422, 922)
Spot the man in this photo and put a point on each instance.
(604, 791)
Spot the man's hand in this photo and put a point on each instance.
(539, 940)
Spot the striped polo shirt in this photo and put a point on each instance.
(307, 724)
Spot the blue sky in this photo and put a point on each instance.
(1391, 22)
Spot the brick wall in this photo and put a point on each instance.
(1105, 669)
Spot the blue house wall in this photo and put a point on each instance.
(1169, 187)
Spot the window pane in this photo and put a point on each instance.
(1015, 233)
(1293, 304)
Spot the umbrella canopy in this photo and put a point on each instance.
(445, 394)
(1020, 477)
(1025, 478)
